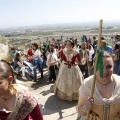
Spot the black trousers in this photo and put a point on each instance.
(52, 70)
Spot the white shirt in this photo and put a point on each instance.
(53, 58)
(91, 51)
(83, 53)
(55, 51)
(37, 53)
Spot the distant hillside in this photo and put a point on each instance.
(82, 25)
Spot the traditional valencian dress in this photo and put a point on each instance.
(103, 109)
(26, 108)
(70, 77)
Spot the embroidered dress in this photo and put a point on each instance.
(103, 109)
(26, 108)
(69, 78)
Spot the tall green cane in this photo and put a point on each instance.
(96, 61)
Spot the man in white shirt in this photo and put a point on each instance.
(84, 55)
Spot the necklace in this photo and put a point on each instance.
(5, 100)
(104, 85)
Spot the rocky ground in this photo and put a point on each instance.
(51, 106)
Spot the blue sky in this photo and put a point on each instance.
(15, 13)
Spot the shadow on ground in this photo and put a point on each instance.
(55, 105)
(41, 82)
(46, 92)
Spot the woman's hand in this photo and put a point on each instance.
(58, 60)
(89, 104)
(85, 106)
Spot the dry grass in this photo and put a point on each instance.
(41, 36)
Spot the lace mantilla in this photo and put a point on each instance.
(24, 105)
(70, 56)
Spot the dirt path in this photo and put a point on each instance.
(51, 106)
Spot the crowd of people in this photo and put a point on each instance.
(39, 55)
(69, 64)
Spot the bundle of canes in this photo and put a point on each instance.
(96, 60)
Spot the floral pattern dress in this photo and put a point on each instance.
(70, 77)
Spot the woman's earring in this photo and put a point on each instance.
(10, 79)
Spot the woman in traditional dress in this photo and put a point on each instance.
(70, 77)
(106, 102)
(15, 103)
